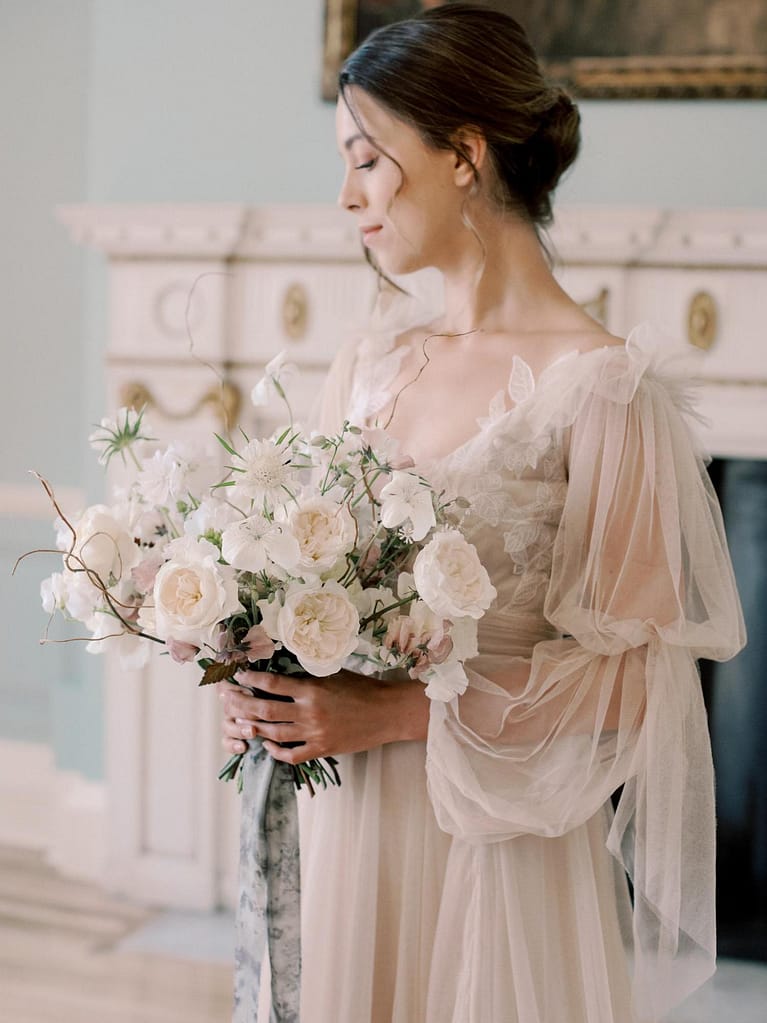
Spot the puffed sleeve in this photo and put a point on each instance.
(641, 585)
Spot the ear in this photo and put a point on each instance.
(472, 141)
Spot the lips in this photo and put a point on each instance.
(369, 232)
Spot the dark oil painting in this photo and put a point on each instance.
(605, 48)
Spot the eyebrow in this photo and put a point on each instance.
(355, 138)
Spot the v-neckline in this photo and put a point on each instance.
(485, 424)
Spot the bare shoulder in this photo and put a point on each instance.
(589, 341)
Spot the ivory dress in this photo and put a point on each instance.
(479, 877)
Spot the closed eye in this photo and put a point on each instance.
(367, 166)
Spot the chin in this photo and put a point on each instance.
(401, 264)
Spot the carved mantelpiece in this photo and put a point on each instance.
(202, 296)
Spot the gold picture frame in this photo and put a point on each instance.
(666, 75)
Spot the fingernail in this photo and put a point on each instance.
(241, 721)
(248, 732)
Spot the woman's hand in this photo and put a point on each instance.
(343, 713)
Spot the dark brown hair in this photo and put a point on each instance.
(459, 66)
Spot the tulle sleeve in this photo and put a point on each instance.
(641, 585)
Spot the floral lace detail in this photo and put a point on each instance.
(376, 369)
(516, 492)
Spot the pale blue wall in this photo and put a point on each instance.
(209, 100)
(44, 88)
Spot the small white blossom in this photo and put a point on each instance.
(104, 544)
(212, 516)
(255, 544)
(173, 474)
(444, 681)
(276, 374)
(406, 498)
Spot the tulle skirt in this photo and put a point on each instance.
(402, 923)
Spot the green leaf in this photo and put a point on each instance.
(226, 445)
(218, 671)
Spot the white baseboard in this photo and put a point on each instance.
(57, 812)
(78, 827)
(26, 794)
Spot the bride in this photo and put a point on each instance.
(471, 869)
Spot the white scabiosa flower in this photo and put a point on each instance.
(266, 474)
(406, 498)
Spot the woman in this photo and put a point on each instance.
(470, 869)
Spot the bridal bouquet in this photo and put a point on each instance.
(313, 553)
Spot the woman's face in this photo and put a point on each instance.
(419, 226)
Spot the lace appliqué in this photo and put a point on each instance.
(376, 369)
(516, 491)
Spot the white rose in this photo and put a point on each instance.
(104, 545)
(319, 624)
(450, 578)
(192, 593)
(325, 531)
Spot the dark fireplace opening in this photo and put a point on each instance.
(736, 701)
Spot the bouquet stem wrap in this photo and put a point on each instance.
(269, 908)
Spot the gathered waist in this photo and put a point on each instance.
(512, 635)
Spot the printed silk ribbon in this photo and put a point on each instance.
(269, 908)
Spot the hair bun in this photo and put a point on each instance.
(550, 151)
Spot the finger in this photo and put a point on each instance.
(279, 685)
(236, 728)
(279, 732)
(240, 705)
(233, 745)
(271, 710)
(296, 755)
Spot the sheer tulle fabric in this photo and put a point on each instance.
(469, 881)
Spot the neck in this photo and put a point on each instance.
(516, 291)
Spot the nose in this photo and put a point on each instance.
(349, 197)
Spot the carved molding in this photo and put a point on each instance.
(322, 232)
(224, 400)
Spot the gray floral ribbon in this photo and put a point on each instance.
(269, 907)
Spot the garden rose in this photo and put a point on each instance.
(450, 577)
(319, 624)
(325, 531)
(192, 594)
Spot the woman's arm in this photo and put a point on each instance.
(342, 713)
